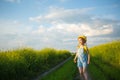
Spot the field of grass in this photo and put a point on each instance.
(105, 64)
(106, 60)
(65, 72)
(26, 63)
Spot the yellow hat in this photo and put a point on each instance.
(83, 37)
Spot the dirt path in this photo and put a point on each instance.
(79, 78)
(54, 68)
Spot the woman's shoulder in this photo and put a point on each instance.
(85, 47)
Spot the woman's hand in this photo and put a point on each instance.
(88, 62)
(74, 60)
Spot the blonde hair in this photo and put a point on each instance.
(84, 47)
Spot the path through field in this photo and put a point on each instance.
(74, 69)
(51, 70)
(79, 78)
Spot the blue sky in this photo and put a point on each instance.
(57, 23)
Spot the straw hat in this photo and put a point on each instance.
(83, 37)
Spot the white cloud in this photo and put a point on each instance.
(13, 34)
(13, 27)
(58, 35)
(107, 17)
(58, 15)
(66, 24)
(58, 28)
(41, 29)
(78, 29)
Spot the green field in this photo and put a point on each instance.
(104, 65)
(106, 59)
(27, 63)
(65, 72)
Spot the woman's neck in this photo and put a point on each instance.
(81, 44)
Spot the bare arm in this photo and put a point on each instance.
(75, 58)
(88, 56)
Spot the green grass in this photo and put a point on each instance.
(109, 53)
(27, 63)
(95, 73)
(106, 59)
(109, 71)
(104, 64)
(65, 72)
(24, 64)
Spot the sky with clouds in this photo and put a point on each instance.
(58, 23)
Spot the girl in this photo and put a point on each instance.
(82, 56)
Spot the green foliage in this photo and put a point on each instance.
(65, 72)
(106, 58)
(95, 73)
(26, 63)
